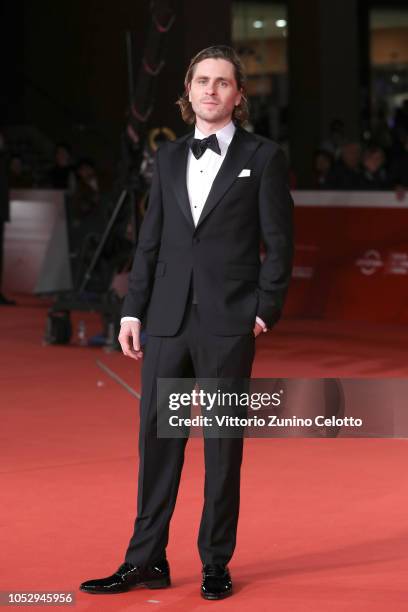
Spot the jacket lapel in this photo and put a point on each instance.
(241, 148)
(178, 163)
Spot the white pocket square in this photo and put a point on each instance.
(245, 172)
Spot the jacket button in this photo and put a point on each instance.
(196, 240)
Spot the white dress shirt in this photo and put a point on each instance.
(200, 177)
(202, 172)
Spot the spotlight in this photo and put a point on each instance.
(258, 24)
(281, 23)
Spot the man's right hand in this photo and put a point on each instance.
(129, 339)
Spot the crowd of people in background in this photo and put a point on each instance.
(79, 179)
(380, 164)
(63, 173)
(340, 163)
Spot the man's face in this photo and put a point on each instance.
(213, 91)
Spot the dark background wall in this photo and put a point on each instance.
(64, 64)
(11, 61)
(324, 67)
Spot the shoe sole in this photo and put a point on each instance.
(159, 584)
(213, 596)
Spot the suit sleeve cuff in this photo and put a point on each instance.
(124, 319)
(262, 324)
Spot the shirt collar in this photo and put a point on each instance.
(224, 135)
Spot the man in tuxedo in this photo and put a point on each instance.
(198, 286)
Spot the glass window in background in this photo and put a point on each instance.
(259, 35)
(389, 80)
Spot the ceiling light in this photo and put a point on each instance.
(281, 23)
(258, 24)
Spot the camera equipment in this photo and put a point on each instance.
(89, 251)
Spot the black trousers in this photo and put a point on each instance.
(192, 353)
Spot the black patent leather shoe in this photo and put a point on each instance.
(128, 576)
(216, 583)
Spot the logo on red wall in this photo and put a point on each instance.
(370, 262)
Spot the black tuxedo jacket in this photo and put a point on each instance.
(222, 253)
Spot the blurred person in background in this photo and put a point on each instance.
(381, 130)
(336, 138)
(86, 195)
(346, 172)
(374, 174)
(322, 165)
(86, 174)
(62, 174)
(20, 177)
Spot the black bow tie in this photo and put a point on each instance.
(199, 146)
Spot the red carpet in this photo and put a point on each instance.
(323, 523)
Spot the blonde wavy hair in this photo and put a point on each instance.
(240, 113)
